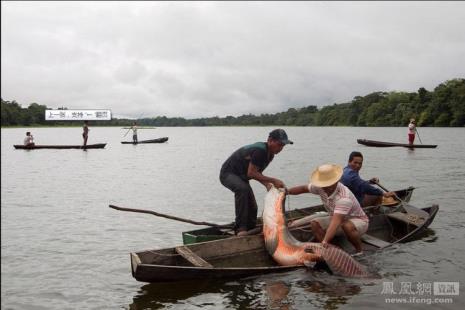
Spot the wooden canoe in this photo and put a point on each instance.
(391, 144)
(159, 140)
(38, 146)
(245, 256)
(213, 233)
(141, 127)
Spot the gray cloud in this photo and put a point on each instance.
(199, 59)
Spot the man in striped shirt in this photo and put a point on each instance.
(345, 214)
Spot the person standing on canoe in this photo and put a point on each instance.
(29, 139)
(134, 132)
(247, 163)
(412, 128)
(366, 194)
(85, 132)
(345, 214)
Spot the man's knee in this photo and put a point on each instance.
(316, 226)
(349, 228)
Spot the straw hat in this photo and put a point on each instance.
(326, 175)
(389, 201)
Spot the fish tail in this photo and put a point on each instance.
(342, 263)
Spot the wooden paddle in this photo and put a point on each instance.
(171, 217)
(418, 134)
(406, 207)
(127, 132)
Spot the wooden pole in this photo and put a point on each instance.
(406, 207)
(171, 217)
(418, 134)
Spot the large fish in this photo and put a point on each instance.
(286, 250)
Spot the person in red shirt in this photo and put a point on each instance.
(412, 129)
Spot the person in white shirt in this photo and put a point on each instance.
(412, 129)
(134, 132)
(29, 139)
(345, 214)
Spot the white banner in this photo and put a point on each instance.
(77, 115)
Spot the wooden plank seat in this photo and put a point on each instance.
(374, 241)
(193, 258)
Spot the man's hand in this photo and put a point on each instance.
(389, 194)
(374, 180)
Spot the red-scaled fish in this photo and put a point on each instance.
(286, 250)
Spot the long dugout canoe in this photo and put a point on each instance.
(246, 256)
(391, 144)
(38, 146)
(159, 140)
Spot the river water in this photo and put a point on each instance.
(62, 247)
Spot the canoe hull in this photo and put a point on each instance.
(392, 144)
(232, 258)
(159, 140)
(154, 273)
(246, 256)
(89, 146)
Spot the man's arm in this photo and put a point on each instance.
(364, 186)
(297, 190)
(336, 221)
(254, 173)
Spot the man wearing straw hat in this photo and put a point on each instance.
(345, 214)
(248, 162)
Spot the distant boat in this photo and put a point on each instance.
(37, 146)
(391, 144)
(159, 140)
(145, 127)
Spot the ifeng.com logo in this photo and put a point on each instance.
(446, 288)
(420, 292)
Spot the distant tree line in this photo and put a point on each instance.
(442, 107)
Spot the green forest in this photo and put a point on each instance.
(442, 107)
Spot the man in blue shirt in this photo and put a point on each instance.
(366, 194)
(246, 163)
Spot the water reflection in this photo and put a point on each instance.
(159, 295)
(428, 235)
(293, 290)
(331, 294)
(277, 293)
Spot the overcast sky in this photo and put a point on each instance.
(203, 59)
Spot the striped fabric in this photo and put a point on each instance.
(342, 201)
